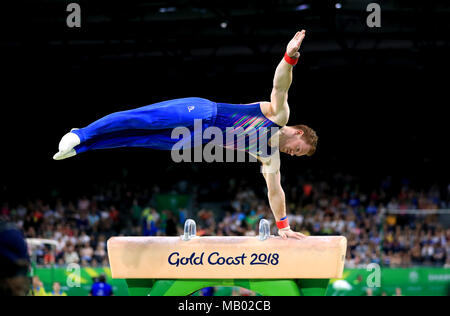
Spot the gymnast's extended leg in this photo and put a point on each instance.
(136, 128)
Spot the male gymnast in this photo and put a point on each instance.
(150, 127)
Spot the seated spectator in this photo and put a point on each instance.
(71, 256)
(49, 257)
(428, 253)
(84, 238)
(38, 287)
(93, 219)
(14, 262)
(439, 255)
(398, 292)
(56, 290)
(101, 288)
(99, 253)
(87, 252)
(396, 260)
(416, 254)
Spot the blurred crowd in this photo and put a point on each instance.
(77, 229)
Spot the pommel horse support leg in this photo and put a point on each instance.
(267, 265)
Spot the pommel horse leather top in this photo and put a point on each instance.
(314, 257)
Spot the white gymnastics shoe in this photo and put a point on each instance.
(66, 145)
(60, 155)
(69, 141)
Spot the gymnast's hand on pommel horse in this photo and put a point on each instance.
(154, 126)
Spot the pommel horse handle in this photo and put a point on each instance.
(264, 229)
(190, 230)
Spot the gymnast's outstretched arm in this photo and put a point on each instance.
(283, 78)
(277, 203)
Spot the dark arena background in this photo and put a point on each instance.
(376, 96)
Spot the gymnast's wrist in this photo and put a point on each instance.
(290, 60)
(283, 224)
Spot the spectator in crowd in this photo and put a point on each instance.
(49, 257)
(56, 290)
(71, 256)
(150, 219)
(14, 262)
(86, 252)
(100, 253)
(101, 288)
(398, 292)
(38, 287)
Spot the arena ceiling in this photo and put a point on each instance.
(193, 29)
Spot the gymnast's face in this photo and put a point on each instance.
(295, 145)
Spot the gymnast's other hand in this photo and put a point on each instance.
(290, 234)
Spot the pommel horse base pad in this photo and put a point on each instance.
(271, 267)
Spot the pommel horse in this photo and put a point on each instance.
(267, 265)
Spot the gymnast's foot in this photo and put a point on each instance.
(66, 145)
